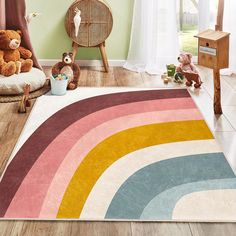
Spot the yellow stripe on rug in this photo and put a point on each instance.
(103, 156)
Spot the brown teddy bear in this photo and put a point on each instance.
(13, 58)
(188, 70)
(69, 68)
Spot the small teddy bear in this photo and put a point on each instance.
(13, 57)
(188, 70)
(69, 68)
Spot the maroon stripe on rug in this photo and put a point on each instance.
(50, 129)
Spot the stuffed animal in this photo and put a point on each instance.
(69, 68)
(13, 57)
(188, 70)
(25, 102)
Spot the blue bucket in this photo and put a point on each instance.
(59, 87)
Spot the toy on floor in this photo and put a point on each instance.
(166, 79)
(193, 78)
(171, 68)
(13, 57)
(69, 68)
(178, 78)
(25, 102)
(188, 70)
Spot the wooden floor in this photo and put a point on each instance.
(224, 128)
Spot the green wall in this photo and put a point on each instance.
(50, 39)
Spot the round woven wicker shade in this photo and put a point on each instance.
(96, 22)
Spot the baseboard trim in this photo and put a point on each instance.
(114, 63)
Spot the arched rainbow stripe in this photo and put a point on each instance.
(117, 146)
(56, 177)
(201, 202)
(144, 186)
(163, 205)
(102, 193)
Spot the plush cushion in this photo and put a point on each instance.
(14, 84)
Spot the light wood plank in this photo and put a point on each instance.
(213, 229)
(127, 78)
(6, 228)
(101, 228)
(227, 141)
(83, 77)
(230, 114)
(156, 81)
(227, 91)
(231, 80)
(71, 228)
(151, 80)
(97, 78)
(205, 104)
(161, 229)
(12, 124)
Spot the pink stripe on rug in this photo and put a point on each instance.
(29, 197)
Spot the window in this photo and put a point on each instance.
(188, 25)
(188, 14)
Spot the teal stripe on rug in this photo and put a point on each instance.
(137, 192)
(162, 206)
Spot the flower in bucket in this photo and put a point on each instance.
(60, 77)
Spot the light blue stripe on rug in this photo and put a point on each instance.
(137, 192)
(162, 206)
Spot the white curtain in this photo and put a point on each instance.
(154, 37)
(204, 16)
(207, 19)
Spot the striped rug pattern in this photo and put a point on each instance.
(141, 155)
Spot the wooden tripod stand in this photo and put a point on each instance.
(102, 51)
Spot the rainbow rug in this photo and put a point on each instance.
(118, 155)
